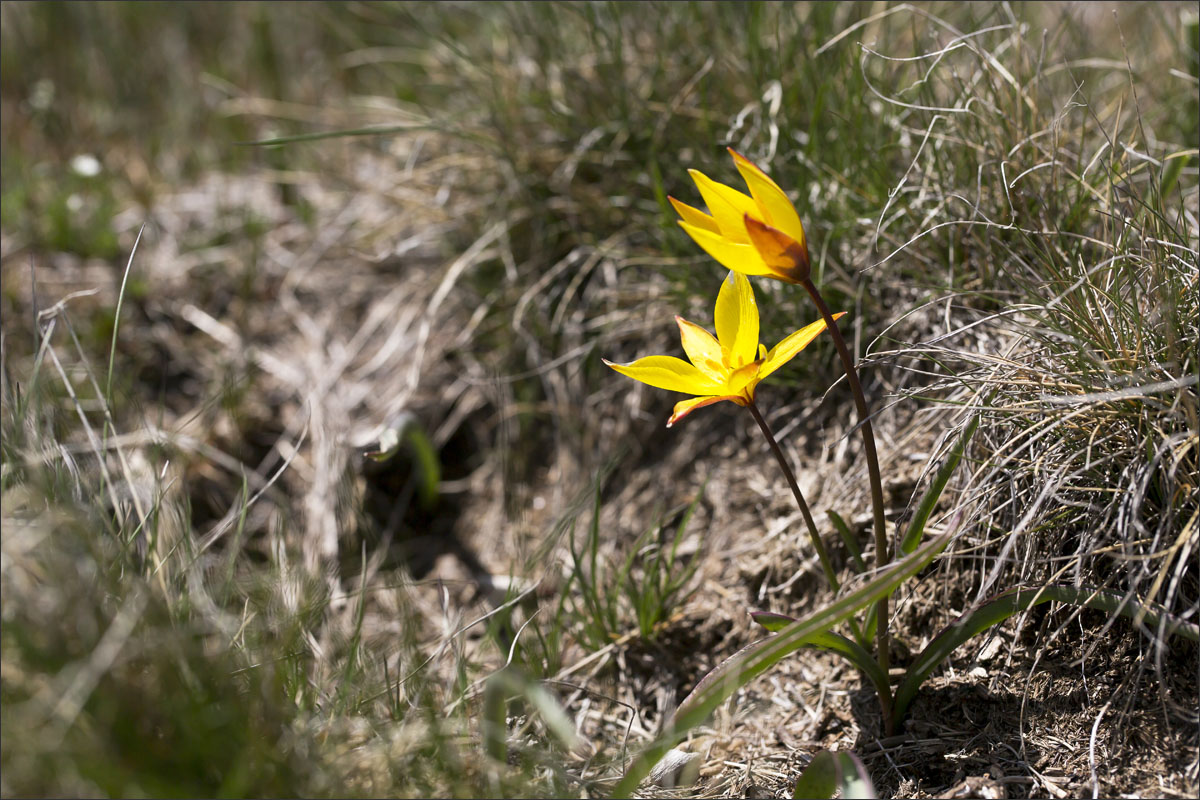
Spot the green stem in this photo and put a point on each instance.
(791, 479)
(882, 556)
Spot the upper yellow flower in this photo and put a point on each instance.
(756, 235)
(728, 367)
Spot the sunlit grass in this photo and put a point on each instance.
(1006, 205)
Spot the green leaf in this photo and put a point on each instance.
(1010, 602)
(852, 650)
(829, 773)
(916, 528)
(863, 635)
(771, 621)
(755, 659)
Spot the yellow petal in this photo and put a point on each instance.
(786, 350)
(695, 216)
(702, 349)
(727, 205)
(685, 407)
(741, 258)
(784, 256)
(773, 201)
(736, 318)
(670, 373)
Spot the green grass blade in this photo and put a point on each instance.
(832, 773)
(1172, 169)
(548, 708)
(852, 650)
(378, 130)
(112, 350)
(872, 620)
(916, 528)
(1011, 602)
(755, 659)
(508, 682)
(848, 539)
(494, 721)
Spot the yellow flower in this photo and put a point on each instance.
(756, 235)
(728, 367)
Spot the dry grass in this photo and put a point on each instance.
(208, 589)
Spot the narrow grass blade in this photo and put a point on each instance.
(1172, 169)
(112, 351)
(377, 130)
(1011, 602)
(848, 539)
(852, 650)
(755, 659)
(494, 721)
(916, 528)
(832, 773)
(510, 681)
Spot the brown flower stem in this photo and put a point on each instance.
(791, 479)
(882, 556)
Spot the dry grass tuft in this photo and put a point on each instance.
(209, 589)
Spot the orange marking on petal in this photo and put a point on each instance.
(784, 256)
(685, 407)
(777, 210)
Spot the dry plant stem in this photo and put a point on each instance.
(882, 557)
(791, 479)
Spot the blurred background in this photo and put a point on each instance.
(306, 431)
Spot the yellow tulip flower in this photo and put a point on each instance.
(727, 367)
(759, 234)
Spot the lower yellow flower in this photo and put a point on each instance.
(727, 367)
